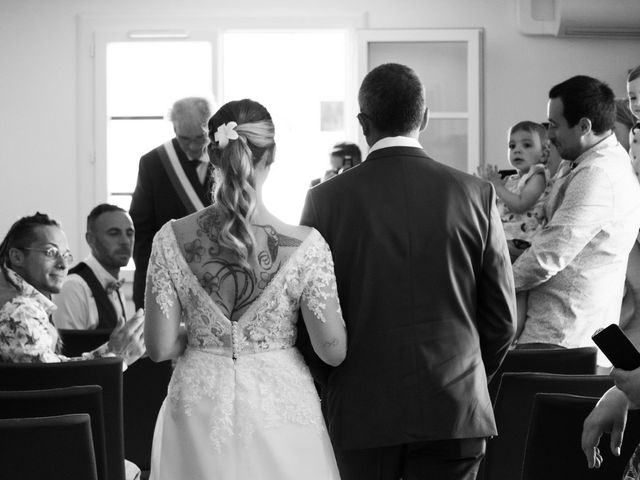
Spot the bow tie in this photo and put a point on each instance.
(114, 286)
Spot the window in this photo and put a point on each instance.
(448, 63)
(305, 71)
(303, 84)
(143, 80)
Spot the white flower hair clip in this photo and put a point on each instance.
(226, 132)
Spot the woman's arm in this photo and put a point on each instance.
(326, 331)
(321, 308)
(164, 337)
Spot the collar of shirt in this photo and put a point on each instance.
(398, 141)
(104, 277)
(25, 289)
(203, 159)
(606, 142)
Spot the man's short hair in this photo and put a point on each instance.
(99, 210)
(22, 234)
(392, 97)
(586, 97)
(190, 109)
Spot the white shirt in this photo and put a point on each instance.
(575, 268)
(399, 141)
(76, 307)
(203, 167)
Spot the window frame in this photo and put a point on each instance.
(473, 38)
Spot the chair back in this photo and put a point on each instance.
(53, 448)
(62, 401)
(512, 409)
(554, 451)
(574, 361)
(76, 342)
(145, 386)
(105, 372)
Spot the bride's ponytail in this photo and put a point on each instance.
(242, 134)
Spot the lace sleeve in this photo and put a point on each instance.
(159, 275)
(320, 293)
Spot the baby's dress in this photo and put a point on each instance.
(524, 225)
(241, 403)
(634, 147)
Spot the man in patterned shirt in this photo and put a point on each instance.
(34, 258)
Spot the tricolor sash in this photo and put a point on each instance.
(178, 178)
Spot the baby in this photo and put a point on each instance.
(633, 92)
(520, 196)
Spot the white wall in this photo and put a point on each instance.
(38, 107)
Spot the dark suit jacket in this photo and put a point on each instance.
(426, 290)
(154, 203)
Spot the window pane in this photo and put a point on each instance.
(128, 140)
(300, 77)
(145, 78)
(446, 142)
(442, 67)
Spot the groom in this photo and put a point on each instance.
(426, 290)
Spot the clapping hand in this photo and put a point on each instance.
(489, 172)
(127, 340)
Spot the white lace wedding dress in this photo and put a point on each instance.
(241, 403)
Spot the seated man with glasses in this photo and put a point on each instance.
(34, 258)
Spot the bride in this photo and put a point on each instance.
(224, 288)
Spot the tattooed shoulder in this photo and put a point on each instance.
(209, 224)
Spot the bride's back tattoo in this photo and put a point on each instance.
(231, 285)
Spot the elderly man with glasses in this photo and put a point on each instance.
(34, 258)
(174, 180)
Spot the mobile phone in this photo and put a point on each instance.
(617, 347)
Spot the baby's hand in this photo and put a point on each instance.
(489, 172)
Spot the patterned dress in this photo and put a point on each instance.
(241, 403)
(523, 225)
(634, 147)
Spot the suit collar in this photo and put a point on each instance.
(396, 152)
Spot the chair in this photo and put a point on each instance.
(574, 361)
(553, 450)
(52, 448)
(512, 409)
(144, 389)
(62, 401)
(145, 386)
(105, 372)
(76, 342)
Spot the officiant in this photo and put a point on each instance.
(90, 297)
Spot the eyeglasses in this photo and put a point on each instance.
(197, 139)
(52, 253)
